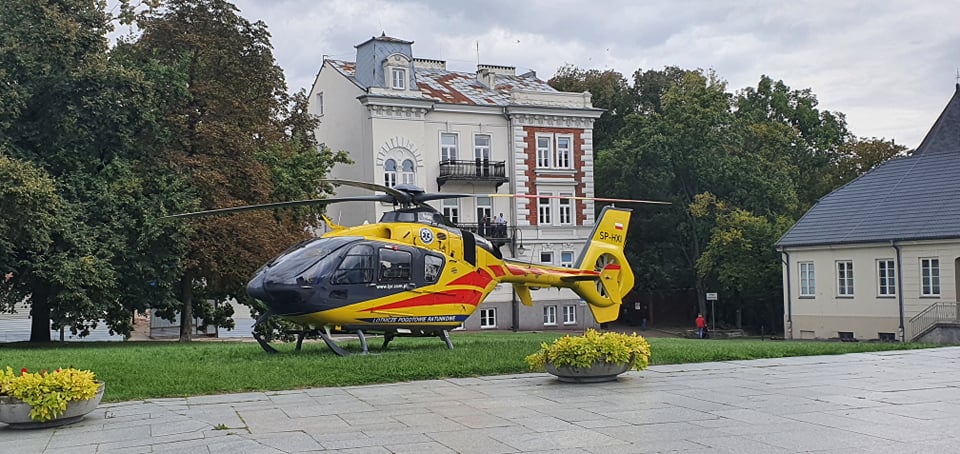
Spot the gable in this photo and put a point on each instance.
(909, 198)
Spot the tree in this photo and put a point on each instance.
(859, 155)
(610, 91)
(82, 118)
(30, 203)
(817, 136)
(237, 137)
(671, 154)
(742, 259)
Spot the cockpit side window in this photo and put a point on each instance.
(432, 265)
(356, 267)
(395, 265)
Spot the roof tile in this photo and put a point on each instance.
(455, 87)
(909, 198)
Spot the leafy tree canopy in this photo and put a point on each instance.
(236, 136)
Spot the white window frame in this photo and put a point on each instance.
(566, 259)
(319, 104)
(451, 210)
(564, 158)
(929, 276)
(845, 278)
(449, 152)
(565, 209)
(390, 175)
(408, 172)
(544, 152)
(488, 318)
(482, 151)
(569, 315)
(886, 277)
(398, 77)
(546, 257)
(550, 315)
(808, 278)
(544, 208)
(484, 209)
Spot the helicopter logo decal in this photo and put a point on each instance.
(426, 236)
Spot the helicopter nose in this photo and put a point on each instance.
(282, 294)
(256, 290)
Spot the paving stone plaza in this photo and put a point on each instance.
(890, 402)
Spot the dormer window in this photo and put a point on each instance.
(399, 77)
(397, 73)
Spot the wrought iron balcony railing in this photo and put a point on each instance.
(492, 232)
(498, 234)
(476, 170)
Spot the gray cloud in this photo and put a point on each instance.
(889, 65)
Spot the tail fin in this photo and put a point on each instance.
(604, 253)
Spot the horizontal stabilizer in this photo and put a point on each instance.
(582, 277)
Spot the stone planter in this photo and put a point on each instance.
(598, 372)
(16, 413)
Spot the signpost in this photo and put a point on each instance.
(712, 298)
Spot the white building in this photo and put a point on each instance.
(879, 258)
(493, 132)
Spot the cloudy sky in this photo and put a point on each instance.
(889, 65)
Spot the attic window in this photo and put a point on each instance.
(399, 77)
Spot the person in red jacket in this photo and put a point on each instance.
(701, 326)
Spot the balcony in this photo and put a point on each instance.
(497, 234)
(478, 170)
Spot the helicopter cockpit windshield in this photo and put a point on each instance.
(294, 262)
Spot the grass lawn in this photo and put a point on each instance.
(139, 370)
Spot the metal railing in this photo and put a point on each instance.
(476, 170)
(938, 312)
(491, 232)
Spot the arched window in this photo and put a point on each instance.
(408, 176)
(389, 173)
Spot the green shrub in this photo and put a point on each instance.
(48, 393)
(591, 347)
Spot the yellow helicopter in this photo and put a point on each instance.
(415, 274)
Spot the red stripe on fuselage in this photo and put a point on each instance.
(516, 271)
(471, 297)
(497, 270)
(480, 279)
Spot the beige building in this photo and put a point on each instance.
(879, 258)
(489, 133)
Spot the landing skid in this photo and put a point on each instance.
(260, 340)
(446, 339)
(388, 336)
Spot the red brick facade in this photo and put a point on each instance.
(530, 159)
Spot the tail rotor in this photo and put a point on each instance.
(604, 254)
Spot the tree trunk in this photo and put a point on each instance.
(40, 316)
(186, 308)
(701, 296)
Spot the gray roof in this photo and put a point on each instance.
(908, 198)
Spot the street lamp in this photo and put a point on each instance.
(520, 248)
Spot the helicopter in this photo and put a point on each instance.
(413, 273)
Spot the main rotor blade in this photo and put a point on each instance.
(572, 197)
(437, 196)
(266, 206)
(401, 197)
